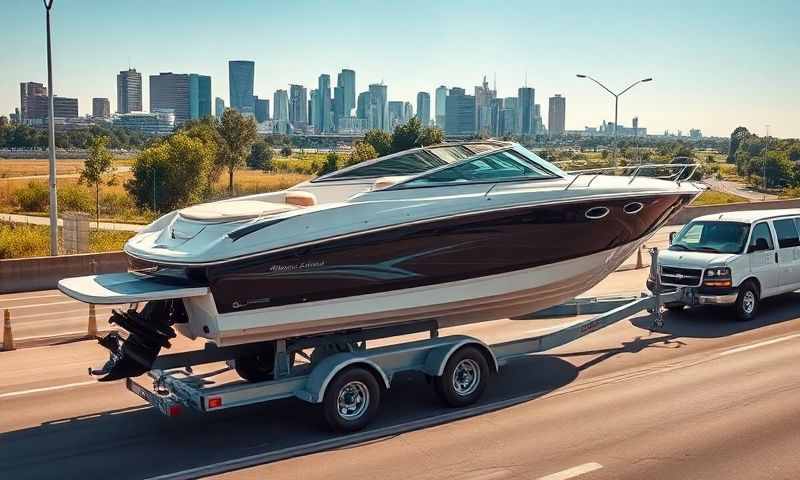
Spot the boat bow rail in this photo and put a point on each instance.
(634, 172)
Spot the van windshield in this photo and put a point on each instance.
(712, 237)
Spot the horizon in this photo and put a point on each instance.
(714, 71)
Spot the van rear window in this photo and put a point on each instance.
(787, 233)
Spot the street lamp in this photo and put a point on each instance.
(616, 104)
(51, 133)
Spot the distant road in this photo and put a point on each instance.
(738, 189)
(33, 220)
(120, 169)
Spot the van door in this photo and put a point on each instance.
(788, 255)
(763, 258)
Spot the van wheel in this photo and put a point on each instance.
(747, 302)
(464, 378)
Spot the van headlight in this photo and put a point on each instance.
(717, 277)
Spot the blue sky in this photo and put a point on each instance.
(716, 64)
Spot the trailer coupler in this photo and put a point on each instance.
(149, 331)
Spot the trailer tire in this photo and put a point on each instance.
(351, 400)
(257, 368)
(464, 378)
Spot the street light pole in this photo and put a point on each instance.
(52, 140)
(764, 166)
(616, 105)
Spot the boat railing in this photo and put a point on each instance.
(682, 171)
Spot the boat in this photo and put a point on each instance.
(454, 233)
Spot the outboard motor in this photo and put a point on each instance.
(149, 331)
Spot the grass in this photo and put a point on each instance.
(22, 240)
(710, 197)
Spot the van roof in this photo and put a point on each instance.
(751, 216)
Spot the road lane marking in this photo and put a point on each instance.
(758, 345)
(573, 472)
(16, 299)
(43, 305)
(46, 389)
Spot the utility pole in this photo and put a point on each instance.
(616, 107)
(764, 165)
(51, 133)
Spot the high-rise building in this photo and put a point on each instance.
(556, 115)
(338, 104)
(441, 106)
(101, 108)
(298, 100)
(378, 114)
(526, 123)
(241, 75)
(347, 81)
(538, 124)
(219, 107)
(362, 107)
(261, 106)
(424, 108)
(64, 107)
(29, 107)
(483, 107)
(395, 114)
(408, 112)
(460, 113)
(313, 107)
(170, 91)
(322, 122)
(199, 96)
(280, 106)
(507, 120)
(129, 91)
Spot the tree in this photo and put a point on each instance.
(431, 136)
(361, 151)
(739, 134)
(381, 141)
(96, 167)
(331, 163)
(407, 135)
(286, 151)
(238, 134)
(260, 156)
(174, 173)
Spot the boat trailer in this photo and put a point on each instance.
(348, 378)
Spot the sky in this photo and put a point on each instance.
(716, 64)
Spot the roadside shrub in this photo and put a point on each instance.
(117, 205)
(75, 198)
(19, 241)
(33, 197)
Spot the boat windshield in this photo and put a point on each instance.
(711, 237)
(504, 165)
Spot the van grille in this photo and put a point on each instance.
(688, 277)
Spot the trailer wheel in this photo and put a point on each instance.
(257, 368)
(351, 400)
(464, 378)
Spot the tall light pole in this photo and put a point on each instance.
(764, 165)
(616, 105)
(51, 133)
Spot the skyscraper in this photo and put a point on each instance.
(170, 91)
(395, 114)
(347, 80)
(362, 108)
(313, 108)
(460, 117)
(241, 74)
(408, 111)
(526, 123)
(199, 96)
(298, 100)
(29, 104)
(441, 106)
(261, 106)
(556, 115)
(484, 97)
(219, 107)
(101, 108)
(378, 114)
(322, 122)
(424, 108)
(280, 106)
(338, 105)
(129, 91)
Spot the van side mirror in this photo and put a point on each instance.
(761, 244)
(672, 237)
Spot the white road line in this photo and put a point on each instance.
(46, 389)
(573, 472)
(21, 307)
(16, 299)
(757, 345)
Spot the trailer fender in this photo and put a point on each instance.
(438, 357)
(322, 374)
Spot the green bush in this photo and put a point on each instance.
(20, 240)
(34, 197)
(75, 198)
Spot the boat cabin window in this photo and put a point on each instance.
(408, 164)
(498, 166)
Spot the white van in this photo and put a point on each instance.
(735, 258)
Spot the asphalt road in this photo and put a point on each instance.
(702, 397)
(738, 189)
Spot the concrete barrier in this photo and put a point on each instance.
(690, 213)
(43, 273)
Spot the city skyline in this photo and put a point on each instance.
(687, 57)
